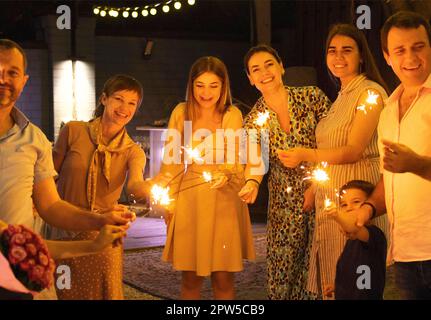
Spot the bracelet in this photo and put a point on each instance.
(373, 214)
(254, 180)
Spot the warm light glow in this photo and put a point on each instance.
(262, 117)
(193, 154)
(177, 5)
(153, 11)
(135, 14)
(160, 195)
(372, 97)
(289, 189)
(191, 2)
(96, 10)
(74, 92)
(362, 108)
(371, 100)
(103, 13)
(207, 176)
(145, 12)
(125, 14)
(328, 203)
(165, 8)
(320, 175)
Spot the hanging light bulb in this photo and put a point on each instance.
(103, 13)
(165, 8)
(96, 10)
(145, 12)
(191, 2)
(112, 12)
(153, 11)
(177, 5)
(135, 14)
(125, 14)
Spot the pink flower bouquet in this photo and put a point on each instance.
(28, 257)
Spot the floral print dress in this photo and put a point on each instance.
(289, 230)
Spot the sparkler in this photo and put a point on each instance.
(193, 154)
(328, 203)
(160, 195)
(261, 119)
(371, 100)
(319, 175)
(207, 176)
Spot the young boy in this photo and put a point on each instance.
(361, 268)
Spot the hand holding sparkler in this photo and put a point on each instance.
(293, 157)
(218, 180)
(160, 195)
(249, 192)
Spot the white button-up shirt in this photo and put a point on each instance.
(408, 196)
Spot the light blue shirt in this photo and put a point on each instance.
(25, 160)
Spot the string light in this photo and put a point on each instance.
(146, 10)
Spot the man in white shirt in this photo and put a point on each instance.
(405, 148)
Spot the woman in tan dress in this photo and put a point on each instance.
(209, 233)
(93, 159)
(346, 140)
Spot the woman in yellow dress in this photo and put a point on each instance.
(209, 233)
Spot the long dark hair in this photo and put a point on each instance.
(213, 65)
(369, 67)
(116, 83)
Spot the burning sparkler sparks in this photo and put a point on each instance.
(160, 195)
(372, 97)
(193, 154)
(371, 100)
(261, 119)
(328, 203)
(319, 175)
(207, 176)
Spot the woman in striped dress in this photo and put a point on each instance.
(346, 140)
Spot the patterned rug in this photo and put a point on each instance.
(145, 271)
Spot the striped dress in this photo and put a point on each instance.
(333, 132)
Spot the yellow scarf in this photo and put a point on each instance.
(102, 156)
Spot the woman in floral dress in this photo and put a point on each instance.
(293, 113)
